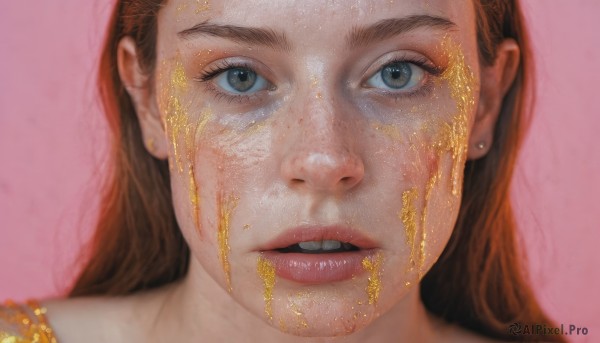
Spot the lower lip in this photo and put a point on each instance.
(318, 268)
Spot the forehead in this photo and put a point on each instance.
(309, 21)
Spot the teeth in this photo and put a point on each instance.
(331, 245)
(311, 245)
(320, 245)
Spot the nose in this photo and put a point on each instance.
(321, 156)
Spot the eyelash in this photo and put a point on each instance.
(432, 71)
(223, 66)
(216, 70)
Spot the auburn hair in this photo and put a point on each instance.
(478, 282)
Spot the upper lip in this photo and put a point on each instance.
(319, 233)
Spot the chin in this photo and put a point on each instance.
(324, 311)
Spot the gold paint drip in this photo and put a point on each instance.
(374, 281)
(177, 118)
(194, 199)
(453, 136)
(225, 208)
(423, 244)
(180, 127)
(462, 83)
(266, 271)
(408, 216)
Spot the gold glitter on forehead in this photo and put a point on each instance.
(199, 6)
(225, 205)
(374, 280)
(266, 272)
(408, 216)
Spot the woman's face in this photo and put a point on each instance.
(316, 148)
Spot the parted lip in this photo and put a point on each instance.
(319, 233)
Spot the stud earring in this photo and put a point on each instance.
(481, 145)
(150, 145)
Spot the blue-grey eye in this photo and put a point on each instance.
(241, 80)
(397, 76)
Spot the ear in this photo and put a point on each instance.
(495, 82)
(137, 83)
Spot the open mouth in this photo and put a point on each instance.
(319, 247)
(317, 255)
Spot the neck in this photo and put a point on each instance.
(198, 307)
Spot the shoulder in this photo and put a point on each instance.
(89, 319)
(21, 323)
(100, 318)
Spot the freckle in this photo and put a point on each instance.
(247, 227)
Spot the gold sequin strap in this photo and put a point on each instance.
(24, 324)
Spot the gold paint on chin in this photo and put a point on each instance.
(301, 322)
(374, 281)
(226, 205)
(266, 272)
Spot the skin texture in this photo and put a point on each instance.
(317, 145)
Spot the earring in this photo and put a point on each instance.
(150, 145)
(481, 145)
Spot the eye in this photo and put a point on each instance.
(239, 80)
(400, 75)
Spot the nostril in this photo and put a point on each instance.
(297, 181)
(345, 179)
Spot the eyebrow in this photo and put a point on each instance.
(248, 35)
(387, 28)
(358, 36)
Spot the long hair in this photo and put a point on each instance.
(478, 282)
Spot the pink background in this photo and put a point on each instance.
(52, 143)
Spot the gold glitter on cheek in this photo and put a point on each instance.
(374, 281)
(180, 127)
(408, 216)
(453, 136)
(225, 208)
(194, 200)
(391, 131)
(434, 177)
(462, 83)
(266, 271)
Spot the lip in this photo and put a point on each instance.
(319, 268)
